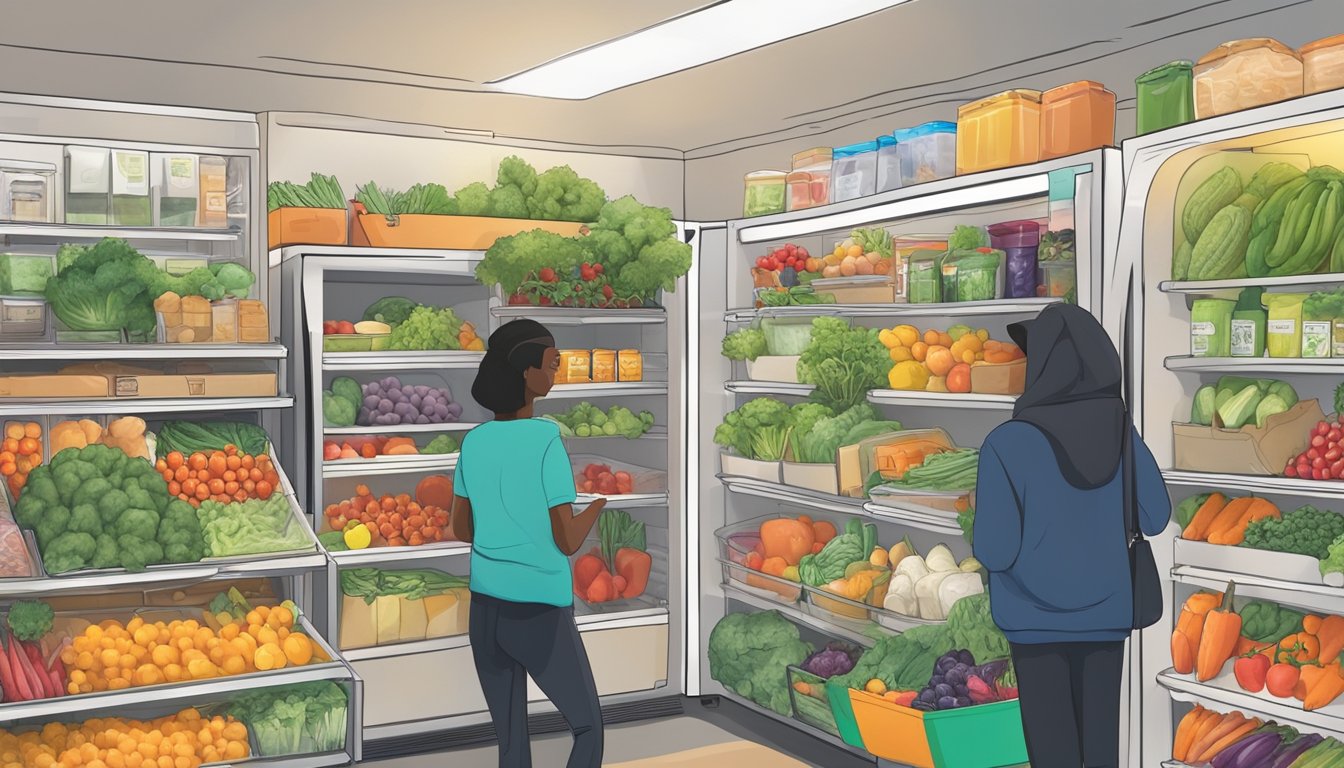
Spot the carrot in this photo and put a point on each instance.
(39, 669)
(635, 566)
(1226, 725)
(1206, 727)
(1236, 533)
(1185, 732)
(1198, 528)
(1227, 518)
(1227, 740)
(1331, 635)
(1327, 687)
(1222, 627)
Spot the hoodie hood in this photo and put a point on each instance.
(1073, 392)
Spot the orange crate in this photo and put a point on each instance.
(305, 226)
(890, 731)
(466, 233)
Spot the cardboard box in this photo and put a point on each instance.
(1249, 450)
(782, 368)
(858, 290)
(999, 378)
(183, 380)
(467, 233)
(53, 385)
(737, 466)
(306, 226)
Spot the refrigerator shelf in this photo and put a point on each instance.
(787, 494)
(1258, 484)
(63, 233)
(1186, 363)
(625, 500)
(137, 405)
(390, 465)
(401, 361)
(914, 516)
(66, 352)
(614, 389)
(579, 316)
(799, 614)
(1312, 597)
(777, 388)
(955, 309)
(879, 396)
(397, 429)
(1235, 285)
(374, 556)
(1221, 695)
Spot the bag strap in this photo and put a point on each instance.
(1133, 531)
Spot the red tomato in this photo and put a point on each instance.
(547, 275)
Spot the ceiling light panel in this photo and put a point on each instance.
(712, 33)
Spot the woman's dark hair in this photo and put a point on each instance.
(513, 348)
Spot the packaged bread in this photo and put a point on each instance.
(253, 323)
(604, 366)
(630, 365)
(224, 328)
(574, 367)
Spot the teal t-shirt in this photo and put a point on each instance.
(513, 472)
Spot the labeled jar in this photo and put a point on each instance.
(1283, 332)
(1243, 74)
(1323, 64)
(765, 193)
(1211, 327)
(809, 181)
(927, 152)
(604, 366)
(1165, 97)
(630, 365)
(854, 171)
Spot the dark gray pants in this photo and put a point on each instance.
(1070, 697)
(510, 641)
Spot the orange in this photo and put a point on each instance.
(919, 350)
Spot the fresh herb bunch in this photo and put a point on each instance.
(1304, 531)
(843, 362)
(756, 430)
(420, 199)
(320, 192)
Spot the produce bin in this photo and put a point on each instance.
(355, 342)
(305, 226)
(842, 610)
(754, 469)
(466, 233)
(783, 368)
(761, 584)
(999, 378)
(984, 736)
(812, 708)
(1286, 566)
(846, 716)
(824, 478)
(1250, 450)
(874, 289)
(642, 479)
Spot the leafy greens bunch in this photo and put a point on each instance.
(843, 362)
(558, 194)
(748, 653)
(320, 192)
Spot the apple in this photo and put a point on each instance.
(330, 451)
(345, 327)
(329, 327)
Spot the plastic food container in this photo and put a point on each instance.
(27, 191)
(924, 281)
(888, 164)
(984, 735)
(736, 543)
(854, 171)
(642, 479)
(840, 609)
(813, 707)
(1246, 73)
(1000, 131)
(1165, 96)
(1058, 278)
(765, 192)
(1076, 118)
(927, 152)
(809, 182)
(1323, 64)
(1020, 241)
(973, 275)
(755, 469)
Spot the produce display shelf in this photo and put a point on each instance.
(797, 725)
(1315, 597)
(286, 253)
(623, 500)
(1324, 489)
(373, 556)
(313, 760)
(400, 361)
(137, 405)
(778, 388)
(637, 617)
(925, 520)
(64, 232)
(1182, 688)
(953, 309)
(267, 564)
(787, 494)
(941, 399)
(65, 352)
(654, 433)
(578, 316)
(397, 429)
(1236, 284)
(1181, 363)
(613, 389)
(413, 648)
(390, 465)
(796, 613)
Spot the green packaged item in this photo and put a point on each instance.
(1249, 319)
(924, 282)
(787, 336)
(1211, 328)
(1165, 97)
(976, 274)
(1283, 331)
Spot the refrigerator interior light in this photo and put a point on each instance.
(712, 32)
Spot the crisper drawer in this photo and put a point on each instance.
(397, 690)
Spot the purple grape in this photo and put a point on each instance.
(415, 400)
(372, 388)
(947, 702)
(384, 406)
(393, 393)
(422, 419)
(945, 664)
(955, 676)
(421, 390)
(943, 690)
(963, 701)
(965, 657)
(386, 418)
(937, 680)
(928, 696)
(390, 381)
(365, 414)
(922, 706)
(446, 393)
(370, 401)
(404, 410)
(454, 410)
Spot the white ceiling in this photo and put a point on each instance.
(423, 61)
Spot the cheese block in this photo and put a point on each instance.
(252, 314)
(359, 623)
(389, 618)
(447, 613)
(413, 620)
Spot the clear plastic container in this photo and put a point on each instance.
(1000, 131)
(27, 191)
(1019, 241)
(1165, 96)
(765, 193)
(854, 171)
(1076, 118)
(809, 182)
(888, 164)
(928, 152)
(1246, 73)
(1323, 64)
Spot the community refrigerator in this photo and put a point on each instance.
(1169, 363)
(732, 496)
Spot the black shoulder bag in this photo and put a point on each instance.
(1142, 567)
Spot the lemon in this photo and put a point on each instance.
(358, 538)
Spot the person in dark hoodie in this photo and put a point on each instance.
(1050, 529)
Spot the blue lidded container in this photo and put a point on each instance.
(927, 152)
(853, 171)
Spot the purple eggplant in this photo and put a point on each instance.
(1249, 752)
(1287, 755)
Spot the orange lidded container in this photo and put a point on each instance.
(1246, 73)
(604, 366)
(1323, 64)
(574, 367)
(1076, 118)
(998, 132)
(630, 365)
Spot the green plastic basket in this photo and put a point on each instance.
(984, 736)
(843, 710)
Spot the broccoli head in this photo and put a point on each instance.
(91, 492)
(138, 522)
(102, 288)
(180, 533)
(563, 195)
(515, 259)
(30, 620)
(136, 552)
(139, 497)
(111, 505)
(517, 172)
(508, 203)
(740, 426)
(608, 248)
(659, 266)
(642, 225)
(473, 199)
(71, 475)
(106, 553)
(52, 524)
(84, 519)
(68, 552)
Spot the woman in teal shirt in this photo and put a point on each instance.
(514, 495)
